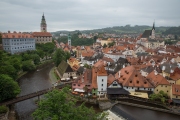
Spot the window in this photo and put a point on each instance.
(102, 80)
(157, 89)
(74, 84)
(176, 96)
(161, 85)
(101, 89)
(167, 91)
(114, 84)
(101, 84)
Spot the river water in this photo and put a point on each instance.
(39, 80)
(29, 83)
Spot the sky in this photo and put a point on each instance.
(25, 15)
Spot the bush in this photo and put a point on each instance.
(3, 109)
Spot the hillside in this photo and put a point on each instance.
(172, 30)
(137, 29)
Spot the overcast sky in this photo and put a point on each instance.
(25, 15)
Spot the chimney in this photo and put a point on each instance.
(9, 32)
(119, 73)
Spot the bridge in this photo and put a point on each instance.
(32, 95)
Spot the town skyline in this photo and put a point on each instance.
(19, 15)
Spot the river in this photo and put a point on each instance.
(39, 80)
(29, 83)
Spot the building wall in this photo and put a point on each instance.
(18, 45)
(132, 89)
(139, 49)
(178, 82)
(114, 57)
(41, 39)
(102, 85)
(69, 74)
(94, 91)
(105, 42)
(165, 88)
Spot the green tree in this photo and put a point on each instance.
(0, 38)
(28, 65)
(9, 88)
(111, 44)
(60, 105)
(58, 56)
(161, 97)
(104, 46)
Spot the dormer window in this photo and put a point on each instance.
(130, 81)
(145, 82)
(136, 75)
(137, 82)
(124, 78)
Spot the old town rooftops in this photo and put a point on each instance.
(130, 77)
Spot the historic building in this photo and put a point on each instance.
(149, 40)
(149, 33)
(17, 42)
(43, 24)
(43, 36)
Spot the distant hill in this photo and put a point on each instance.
(137, 29)
(172, 30)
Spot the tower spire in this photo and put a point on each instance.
(153, 28)
(43, 24)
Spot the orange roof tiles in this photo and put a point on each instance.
(87, 54)
(102, 72)
(16, 35)
(41, 34)
(94, 78)
(130, 77)
(157, 79)
(110, 79)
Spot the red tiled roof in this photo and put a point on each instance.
(130, 77)
(41, 34)
(16, 35)
(157, 79)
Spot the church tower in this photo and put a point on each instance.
(43, 24)
(69, 41)
(153, 31)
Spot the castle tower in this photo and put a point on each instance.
(69, 41)
(43, 24)
(153, 31)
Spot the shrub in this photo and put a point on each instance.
(3, 109)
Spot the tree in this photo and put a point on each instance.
(104, 46)
(58, 56)
(0, 38)
(9, 88)
(161, 96)
(60, 105)
(28, 65)
(111, 44)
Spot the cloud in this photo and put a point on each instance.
(21, 15)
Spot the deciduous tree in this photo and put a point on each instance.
(9, 88)
(60, 105)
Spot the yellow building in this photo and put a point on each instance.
(175, 92)
(159, 82)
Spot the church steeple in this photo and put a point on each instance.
(153, 31)
(43, 24)
(153, 28)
